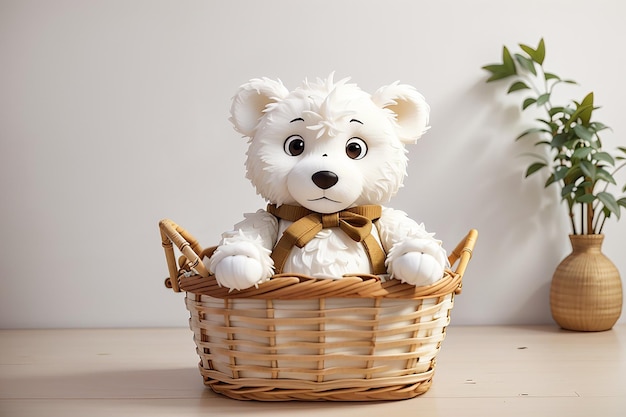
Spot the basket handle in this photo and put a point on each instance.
(463, 253)
(171, 233)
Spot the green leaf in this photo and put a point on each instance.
(604, 156)
(558, 140)
(573, 174)
(507, 60)
(567, 190)
(528, 102)
(609, 202)
(534, 168)
(519, 85)
(569, 199)
(541, 51)
(560, 172)
(505, 69)
(585, 198)
(556, 110)
(573, 142)
(581, 153)
(597, 126)
(587, 103)
(588, 169)
(543, 99)
(549, 76)
(497, 71)
(526, 63)
(604, 175)
(606, 212)
(576, 114)
(537, 55)
(583, 133)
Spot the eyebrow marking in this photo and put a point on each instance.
(355, 120)
(297, 119)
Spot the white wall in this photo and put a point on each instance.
(114, 114)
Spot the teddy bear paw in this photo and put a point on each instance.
(416, 268)
(239, 272)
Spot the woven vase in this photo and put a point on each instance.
(586, 290)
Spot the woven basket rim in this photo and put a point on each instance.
(190, 275)
(300, 287)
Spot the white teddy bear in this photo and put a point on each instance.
(326, 156)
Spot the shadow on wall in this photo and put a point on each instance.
(523, 233)
(490, 192)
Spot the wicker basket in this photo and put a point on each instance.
(299, 338)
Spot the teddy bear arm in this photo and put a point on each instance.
(413, 255)
(260, 225)
(243, 257)
(396, 226)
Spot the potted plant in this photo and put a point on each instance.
(586, 289)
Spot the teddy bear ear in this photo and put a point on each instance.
(409, 107)
(251, 101)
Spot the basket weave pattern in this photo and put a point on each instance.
(299, 338)
(308, 349)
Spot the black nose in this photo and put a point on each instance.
(325, 179)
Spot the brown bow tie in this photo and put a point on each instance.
(356, 222)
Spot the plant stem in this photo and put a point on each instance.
(602, 225)
(589, 218)
(582, 219)
(597, 220)
(571, 218)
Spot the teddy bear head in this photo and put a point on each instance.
(327, 145)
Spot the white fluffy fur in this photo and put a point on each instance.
(324, 116)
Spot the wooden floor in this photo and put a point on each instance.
(481, 371)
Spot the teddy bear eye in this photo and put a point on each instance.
(294, 145)
(356, 148)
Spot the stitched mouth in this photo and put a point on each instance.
(325, 198)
